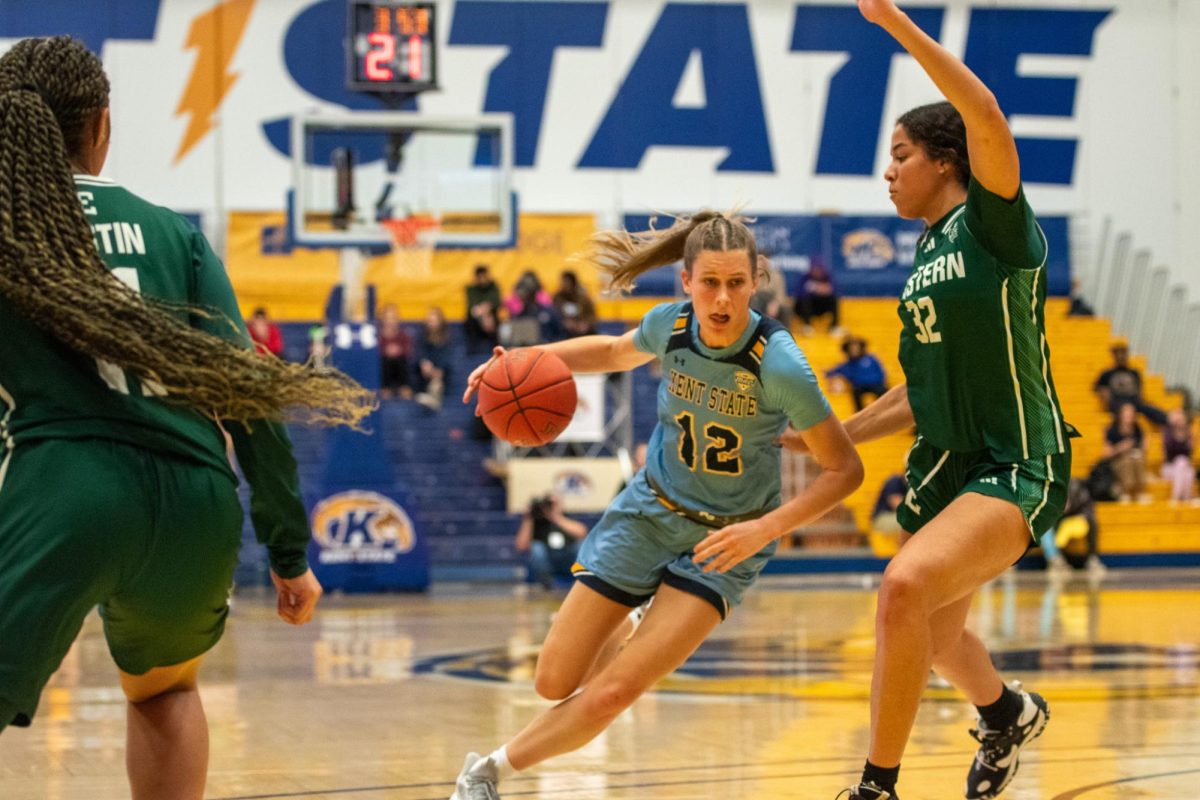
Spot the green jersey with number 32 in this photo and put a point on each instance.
(973, 346)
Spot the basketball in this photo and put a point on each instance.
(527, 397)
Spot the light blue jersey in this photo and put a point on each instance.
(720, 412)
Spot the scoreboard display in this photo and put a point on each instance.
(390, 46)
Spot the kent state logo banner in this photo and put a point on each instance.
(361, 527)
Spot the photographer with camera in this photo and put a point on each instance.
(550, 538)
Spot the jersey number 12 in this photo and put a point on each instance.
(722, 452)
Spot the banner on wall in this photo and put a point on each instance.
(787, 106)
(294, 283)
(869, 256)
(586, 485)
(588, 423)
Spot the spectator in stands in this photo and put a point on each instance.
(1078, 521)
(576, 311)
(1121, 384)
(531, 314)
(265, 333)
(483, 311)
(550, 538)
(1079, 306)
(891, 495)
(1177, 455)
(1124, 449)
(433, 360)
(818, 298)
(861, 371)
(395, 355)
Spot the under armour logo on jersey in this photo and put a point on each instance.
(678, 360)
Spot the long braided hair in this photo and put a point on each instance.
(50, 270)
(624, 255)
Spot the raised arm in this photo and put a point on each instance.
(582, 354)
(993, 152)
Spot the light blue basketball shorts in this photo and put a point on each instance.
(639, 544)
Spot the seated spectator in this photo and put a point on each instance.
(1177, 455)
(531, 315)
(771, 299)
(1077, 523)
(818, 298)
(433, 360)
(550, 538)
(891, 495)
(482, 324)
(861, 371)
(318, 346)
(1124, 449)
(1079, 306)
(1121, 384)
(265, 333)
(395, 355)
(576, 311)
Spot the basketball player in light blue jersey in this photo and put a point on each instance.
(695, 527)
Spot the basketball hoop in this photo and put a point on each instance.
(413, 242)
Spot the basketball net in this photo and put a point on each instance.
(413, 242)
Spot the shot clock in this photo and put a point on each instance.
(390, 46)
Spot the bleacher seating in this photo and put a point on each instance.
(461, 508)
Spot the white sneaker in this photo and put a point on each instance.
(1095, 567)
(478, 779)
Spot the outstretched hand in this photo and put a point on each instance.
(476, 375)
(726, 548)
(296, 598)
(877, 10)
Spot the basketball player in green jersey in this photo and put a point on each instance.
(992, 456)
(694, 528)
(115, 487)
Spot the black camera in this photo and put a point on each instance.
(539, 506)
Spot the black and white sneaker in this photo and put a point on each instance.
(1000, 750)
(867, 791)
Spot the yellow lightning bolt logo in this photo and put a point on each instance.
(215, 36)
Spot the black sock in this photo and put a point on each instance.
(1004, 712)
(883, 777)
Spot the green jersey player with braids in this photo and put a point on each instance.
(992, 454)
(122, 356)
(694, 528)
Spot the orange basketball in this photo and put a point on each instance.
(527, 397)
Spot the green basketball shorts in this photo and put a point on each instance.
(1037, 486)
(151, 539)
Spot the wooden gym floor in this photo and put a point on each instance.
(382, 696)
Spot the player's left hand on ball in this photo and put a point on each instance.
(731, 545)
(296, 598)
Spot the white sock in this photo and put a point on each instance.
(500, 759)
